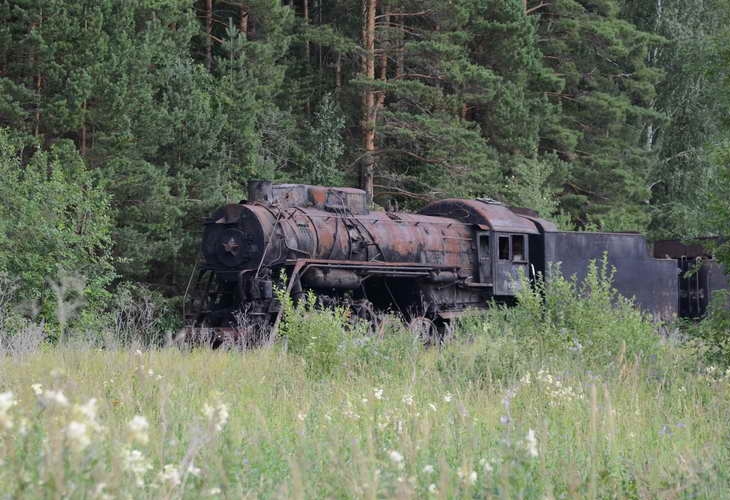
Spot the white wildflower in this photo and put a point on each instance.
(433, 489)
(301, 416)
(170, 475)
(576, 347)
(88, 410)
(23, 427)
(408, 399)
(396, 458)
(193, 470)
(134, 462)
(557, 392)
(7, 401)
(138, 429)
(432, 406)
(486, 465)
(99, 492)
(349, 413)
(428, 469)
(213, 492)
(77, 435)
(467, 475)
(217, 415)
(88, 414)
(37, 389)
(531, 443)
(54, 398)
(364, 401)
(448, 397)
(378, 393)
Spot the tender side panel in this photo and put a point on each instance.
(651, 282)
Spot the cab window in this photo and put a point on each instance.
(504, 248)
(518, 248)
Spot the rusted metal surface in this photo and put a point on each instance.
(334, 199)
(326, 240)
(496, 216)
(453, 256)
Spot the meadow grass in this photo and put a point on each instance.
(634, 429)
(571, 394)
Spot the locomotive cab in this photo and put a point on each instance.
(511, 261)
(502, 242)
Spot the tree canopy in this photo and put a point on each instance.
(126, 122)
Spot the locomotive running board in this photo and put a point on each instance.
(409, 267)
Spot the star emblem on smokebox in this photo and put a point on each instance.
(231, 246)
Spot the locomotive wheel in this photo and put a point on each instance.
(364, 311)
(424, 330)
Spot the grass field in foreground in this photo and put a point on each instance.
(172, 424)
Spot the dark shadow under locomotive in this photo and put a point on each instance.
(453, 256)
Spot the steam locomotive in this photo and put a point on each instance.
(430, 267)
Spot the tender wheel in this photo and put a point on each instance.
(424, 330)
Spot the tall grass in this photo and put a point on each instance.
(511, 408)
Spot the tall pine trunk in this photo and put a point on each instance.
(243, 20)
(209, 33)
(369, 105)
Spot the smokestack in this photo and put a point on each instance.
(260, 191)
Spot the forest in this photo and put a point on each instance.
(122, 124)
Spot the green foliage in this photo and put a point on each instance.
(331, 343)
(606, 97)
(258, 424)
(558, 318)
(323, 146)
(55, 220)
(317, 335)
(693, 100)
(713, 332)
(532, 186)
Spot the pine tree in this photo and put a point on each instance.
(606, 99)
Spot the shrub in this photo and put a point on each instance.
(329, 340)
(713, 332)
(555, 318)
(55, 220)
(316, 334)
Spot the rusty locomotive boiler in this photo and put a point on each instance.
(430, 267)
